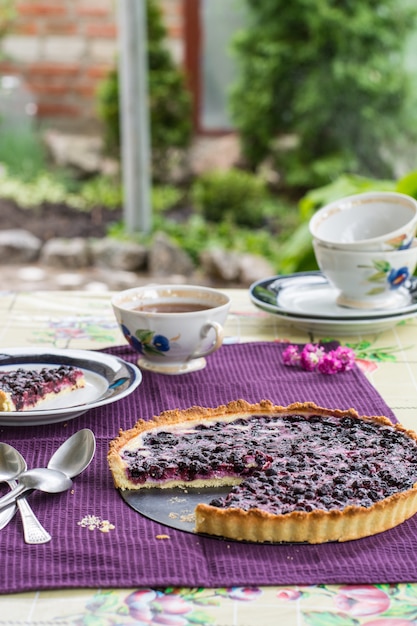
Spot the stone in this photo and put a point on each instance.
(166, 258)
(19, 246)
(214, 153)
(119, 255)
(82, 152)
(220, 264)
(66, 253)
(253, 267)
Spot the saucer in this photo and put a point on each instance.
(192, 365)
(307, 300)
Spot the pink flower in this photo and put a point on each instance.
(362, 600)
(346, 356)
(291, 356)
(311, 356)
(244, 593)
(329, 364)
(289, 594)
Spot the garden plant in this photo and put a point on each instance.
(322, 87)
(329, 77)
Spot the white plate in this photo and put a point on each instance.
(108, 379)
(308, 301)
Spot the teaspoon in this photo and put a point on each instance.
(11, 465)
(71, 458)
(75, 454)
(33, 530)
(41, 478)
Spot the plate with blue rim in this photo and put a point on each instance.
(108, 379)
(308, 300)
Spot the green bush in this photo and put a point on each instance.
(169, 100)
(234, 195)
(7, 15)
(331, 77)
(22, 152)
(108, 110)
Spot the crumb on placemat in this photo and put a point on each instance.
(92, 522)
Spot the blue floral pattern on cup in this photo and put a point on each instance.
(147, 342)
(386, 273)
(400, 243)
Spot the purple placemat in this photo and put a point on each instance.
(133, 554)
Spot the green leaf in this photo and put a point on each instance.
(150, 349)
(410, 590)
(401, 609)
(344, 185)
(297, 246)
(144, 336)
(212, 601)
(103, 603)
(384, 356)
(382, 266)
(200, 617)
(375, 291)
(408, 184)
(377, 277)
(361, 345)
(325, 618)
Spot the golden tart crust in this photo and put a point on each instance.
(258, 524)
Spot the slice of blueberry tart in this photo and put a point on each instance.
(23, 389)
(300, 473)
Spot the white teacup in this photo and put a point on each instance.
(172, 327)
(367, 221)
(368, 280)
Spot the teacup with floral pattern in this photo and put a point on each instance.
(172, 327)
(368, 280)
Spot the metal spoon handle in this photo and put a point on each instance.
(12, 496)
(6, 515)
(33, 531)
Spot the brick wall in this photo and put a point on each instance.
(63, 49)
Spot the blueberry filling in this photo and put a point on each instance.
(286, 463)
(26, 387)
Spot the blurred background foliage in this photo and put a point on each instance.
(7, 14)
(323, 101)
(333, 76)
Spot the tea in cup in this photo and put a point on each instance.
(172, 327)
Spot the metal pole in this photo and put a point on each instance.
(134, 111)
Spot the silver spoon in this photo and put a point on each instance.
(71, 458)
(75, 454)
(33, 530)
(41, 478)
(11, 465)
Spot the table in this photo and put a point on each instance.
(84, 320)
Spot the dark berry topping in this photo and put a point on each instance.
(286, 463)
(26, 386)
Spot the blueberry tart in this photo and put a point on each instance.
(300, 473)
(24, 389)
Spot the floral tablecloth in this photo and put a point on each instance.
(85, 320)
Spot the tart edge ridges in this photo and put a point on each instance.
(319, 526)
